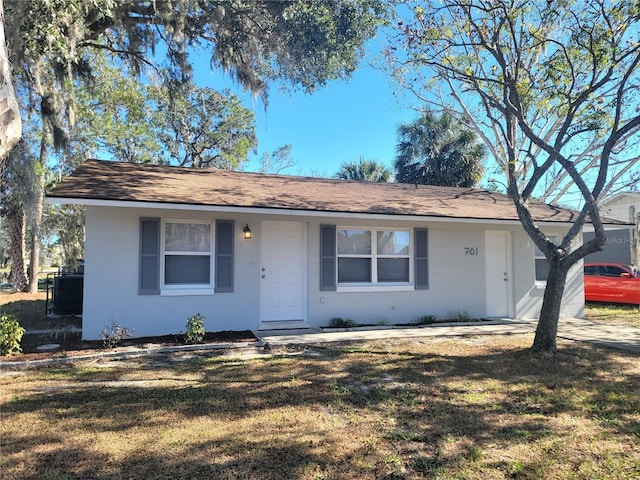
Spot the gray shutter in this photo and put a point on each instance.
(327, 257)
(224, 255)
(421, 258)
(149, 271)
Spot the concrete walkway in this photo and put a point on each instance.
(616, 336)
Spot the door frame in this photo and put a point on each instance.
(264, 225)
(508, 259)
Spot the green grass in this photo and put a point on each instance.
(620, 314)
(478, 408)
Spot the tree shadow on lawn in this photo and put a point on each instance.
(412, 402)
(225, 458)
(32, 316)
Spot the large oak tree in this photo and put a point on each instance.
(551, 87)
(300, 43)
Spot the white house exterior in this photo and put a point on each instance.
(626, 208)
(163, 243)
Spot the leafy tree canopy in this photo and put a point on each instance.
(158, 123)
(303, 42)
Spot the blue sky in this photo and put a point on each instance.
(338, 123)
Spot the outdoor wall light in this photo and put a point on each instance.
(247, 231)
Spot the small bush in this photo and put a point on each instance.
(426, 320)
(195, 329)
(113, 335)
(461, 316)
(338, 322)
(10, 335)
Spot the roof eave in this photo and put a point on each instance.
(287, 211)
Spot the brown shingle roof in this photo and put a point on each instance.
(127, 182)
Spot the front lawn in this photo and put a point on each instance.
(474, 408)
(620, 314)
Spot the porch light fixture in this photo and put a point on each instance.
(247, 231)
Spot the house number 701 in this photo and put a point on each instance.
(471, 250)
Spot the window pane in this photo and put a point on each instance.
(591, 270)
(354, 270)
(354, 242)
(393, 243)
(187, 269)
(187, 237)
(542, 269)
(610, 271)
(393, 270)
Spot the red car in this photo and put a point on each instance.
(611, 282)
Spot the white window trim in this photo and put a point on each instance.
(375, 286)
(187, 289)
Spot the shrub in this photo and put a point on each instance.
(195, 329)
(10, 335)
(113, 335)
(461, 316)
(426, 320)
(337, 322)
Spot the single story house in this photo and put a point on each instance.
(256, 251)
(622, 244)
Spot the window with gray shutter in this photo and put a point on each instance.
(421, 259)
(149, 270)
(224, 256)
(327, 257)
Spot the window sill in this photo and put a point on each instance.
(374, 288)
(176, 292)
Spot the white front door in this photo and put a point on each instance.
(283, 267)
(498, 273)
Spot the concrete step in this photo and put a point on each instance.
(284, 325)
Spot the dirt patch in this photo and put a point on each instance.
(73, 346)
(65, 331)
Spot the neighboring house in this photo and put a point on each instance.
(622, 244)
(163, 243)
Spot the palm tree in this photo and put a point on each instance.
(364, 171)
(438, 151)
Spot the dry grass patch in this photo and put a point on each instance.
(29, 308)
(476, 408)
(628, 315)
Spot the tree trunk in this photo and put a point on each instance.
(545, 339)
(16, 233)
(36, 223)
(10, 123)
(34, 237)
